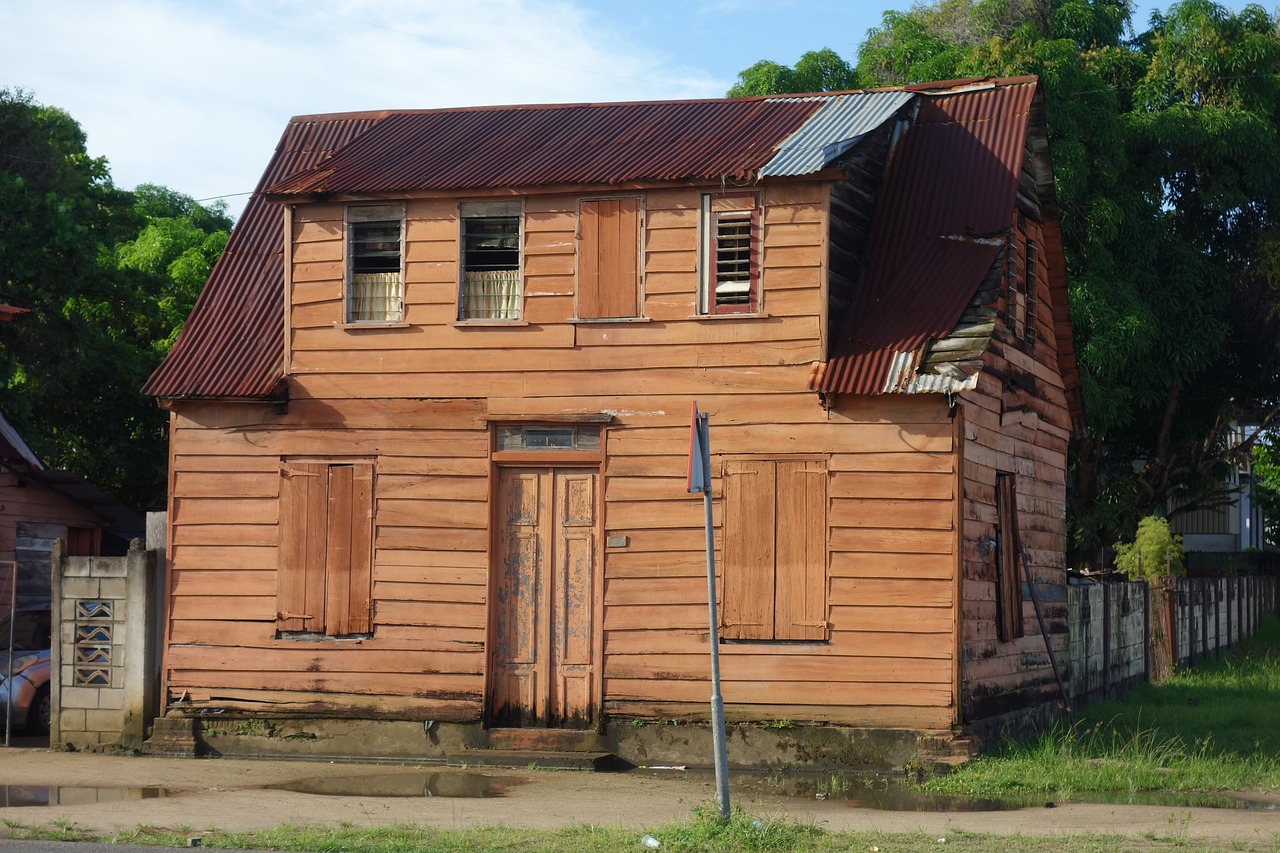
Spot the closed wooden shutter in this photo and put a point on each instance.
(324, 581)
(775, 554)
(609, 258)
(801, 593)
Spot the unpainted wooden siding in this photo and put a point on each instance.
(418, 401)
(1016, 422)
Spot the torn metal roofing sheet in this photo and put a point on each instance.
(833, 130)
(947, 200)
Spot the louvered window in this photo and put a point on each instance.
(490, 261)
(375, 291)
(730, 254)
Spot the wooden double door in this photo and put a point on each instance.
(542, 633)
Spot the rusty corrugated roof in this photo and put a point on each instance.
(949, 188)
(539, 146)
(232, 344)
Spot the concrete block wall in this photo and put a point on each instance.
(105, 610)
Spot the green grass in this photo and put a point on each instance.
(702, 833)
(1212, 728)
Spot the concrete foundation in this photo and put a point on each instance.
(754, 747)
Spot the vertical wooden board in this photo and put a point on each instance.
(296, 603)
(360, 590)
(338, 551)
(574, 599)
(801, 570)
(749, 512)
(589, 265)
(628, 258)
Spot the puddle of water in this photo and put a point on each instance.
(897, 794)
(63, 795)
(418, 784)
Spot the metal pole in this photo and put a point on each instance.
(8, 676)
(717, 701)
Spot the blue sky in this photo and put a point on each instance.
(193, 94)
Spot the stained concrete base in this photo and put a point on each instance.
(641, 743)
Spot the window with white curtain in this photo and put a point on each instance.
(490, 287)
(375, 279)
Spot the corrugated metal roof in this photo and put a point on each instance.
(542, 146)
(833, 130)
(951, 181)
(232, 344)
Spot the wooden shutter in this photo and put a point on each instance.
(348, 563)
(609, 258)
(747, 613)
(775, 550)
(801, 551)
(300, 574)
(326, 527)
(1009, 548)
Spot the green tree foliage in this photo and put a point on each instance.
(108, 277)
(816, 71)
(1266, 479)
(1154, 555)
(1167, 169)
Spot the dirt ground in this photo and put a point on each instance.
(234, 794)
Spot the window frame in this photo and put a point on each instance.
(1008, 555)
(357, 218)
(726, 209)
(490, 210)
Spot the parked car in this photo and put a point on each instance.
(24, 669)
(27, 691)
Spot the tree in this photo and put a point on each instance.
(108, 277)
(816, 71)
(1167, 170)
(1266, 479)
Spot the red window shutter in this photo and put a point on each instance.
(349, 576)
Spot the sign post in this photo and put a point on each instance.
(699, 480)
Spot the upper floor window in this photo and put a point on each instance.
(490, 261)
(609, 234)
(730, 254)
(375, 289)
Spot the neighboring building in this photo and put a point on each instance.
(38, 506)
(430, 417)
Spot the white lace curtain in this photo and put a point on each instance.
(491, 295)
(375, 298)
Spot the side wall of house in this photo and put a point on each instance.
(1017, 423)
(420, 400)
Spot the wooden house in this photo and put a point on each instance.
(38, 506)
(430, 417)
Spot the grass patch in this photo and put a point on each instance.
(1212, 728)
(702, 833)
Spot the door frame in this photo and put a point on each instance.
(592, 460)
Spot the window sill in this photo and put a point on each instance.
(472, 324)
(356, 327)
(598, 320)
(744, 315)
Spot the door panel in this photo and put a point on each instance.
(542, 636)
